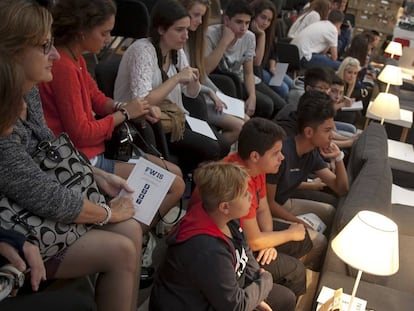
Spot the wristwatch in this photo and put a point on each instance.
(340, 157)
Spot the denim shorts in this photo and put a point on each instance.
(103, 163)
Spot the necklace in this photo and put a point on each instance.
(76, 59)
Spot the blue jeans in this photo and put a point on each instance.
(320, 60)
(346, 129)
(283, 89)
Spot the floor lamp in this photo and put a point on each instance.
(368, 243)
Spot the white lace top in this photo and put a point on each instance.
(139, 73)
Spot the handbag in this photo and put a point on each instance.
(62, 162)
(172, 120)
(120, 147)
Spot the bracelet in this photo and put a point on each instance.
(118, 105)
(340, 157)
(108, 214)
(125, 113)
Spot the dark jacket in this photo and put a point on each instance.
(205, 270)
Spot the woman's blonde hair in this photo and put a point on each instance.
(345, 65)
(220, 182)
(11, 91)
(23, 23)
(196, 39)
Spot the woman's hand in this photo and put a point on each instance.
(250, 105)
(33, 258)
(122, 208)
(111, 184)
(263, 306)
(35, 262)
(188, 75)
(256, 29)
(137, 108)
(154, 114)
(219, 105)
(266, 256)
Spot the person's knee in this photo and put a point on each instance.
(281, 298)
(178, 186)
(124, 251)
(315, 257)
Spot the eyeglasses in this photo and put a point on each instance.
(47, 46)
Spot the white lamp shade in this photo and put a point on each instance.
(391, 75)
(394, 48)
(369, 242)
(386, 106)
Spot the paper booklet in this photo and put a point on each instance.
(354, 107)
(150, 183)
(335, 300)
(280, 72)
(235, 106)
(200, 127)
(313, 221)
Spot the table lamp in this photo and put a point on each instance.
(394, 48)
(385, 106)
(391, 75)
(368, 243)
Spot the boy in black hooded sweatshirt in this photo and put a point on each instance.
(208, 265)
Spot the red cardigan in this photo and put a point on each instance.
(70, 101)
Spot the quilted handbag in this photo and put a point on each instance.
(62, 162)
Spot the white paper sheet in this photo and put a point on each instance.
(314, 221)
(400, 151)
(200, 126)
(235, 106)
(280, 71)
(150, 183)
(355, 106)
(402, 196)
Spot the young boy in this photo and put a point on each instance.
(260, 152)
(231, 48)
(208, 263)
(303, 155)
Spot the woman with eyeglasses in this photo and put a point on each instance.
(71, 100)
(113, 251)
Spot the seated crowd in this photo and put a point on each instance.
(242, 243)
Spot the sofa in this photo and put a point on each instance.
(370, 177)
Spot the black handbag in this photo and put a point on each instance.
(62, 162)
(121, 145)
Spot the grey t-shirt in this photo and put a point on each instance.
(244, 49)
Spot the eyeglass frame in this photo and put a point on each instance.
(47, 46)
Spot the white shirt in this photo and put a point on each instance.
(316, 38)
(139, 74)
(302, 22)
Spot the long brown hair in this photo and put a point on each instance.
(258, 6)
(196, 39)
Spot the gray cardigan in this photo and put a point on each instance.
(21, 178)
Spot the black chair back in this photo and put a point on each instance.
(288, 53)
(132, 19)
